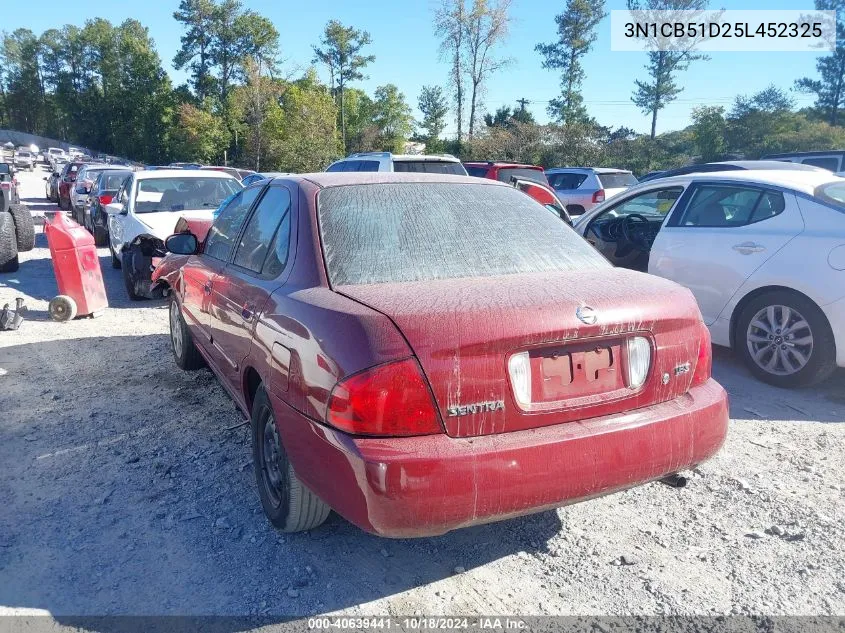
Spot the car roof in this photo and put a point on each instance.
(815, 153)
(341, 178)
(497, 163)
(436, 158)
(593, 170)
(181, 173)
(799, 180)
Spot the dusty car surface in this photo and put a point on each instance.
(424, 352)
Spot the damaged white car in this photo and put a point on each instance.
(145, 212)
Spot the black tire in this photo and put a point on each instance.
(133, 285)
(24, 227)
(185, 351)
(101, 236)
(288, 504)
(821, 353)
(8, 244)
(115, 260)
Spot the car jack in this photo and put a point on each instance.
(12, 319)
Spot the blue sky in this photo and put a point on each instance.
(406, 51)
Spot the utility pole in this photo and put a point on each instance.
(522, 103)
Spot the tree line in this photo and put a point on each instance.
(103, 86)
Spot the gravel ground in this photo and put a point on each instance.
(126, 488)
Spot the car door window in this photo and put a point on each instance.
(367, 165)
(260, 233)
(227, 226)
(651, 204)
(729, 206)
(825, 162)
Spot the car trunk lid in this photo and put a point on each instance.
(464, 332)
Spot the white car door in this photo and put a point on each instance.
(719, 235)
(118, 212)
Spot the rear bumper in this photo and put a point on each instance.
(424, 486)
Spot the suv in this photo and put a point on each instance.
(504, 172)
(385, 161)
(24, 159)
(582, 188)
(17, 230)
(832, 160)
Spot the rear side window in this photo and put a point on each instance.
(367, 165)
(534, 175)
(617, 181)
(827, 162)
(429, 167)
(566, 182)
(222, 234)
(402, 232)
(261, 231)
(722, 206)
(338, 166)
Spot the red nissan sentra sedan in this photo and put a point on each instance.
(423, 352)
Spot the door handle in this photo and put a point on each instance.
(207, 288)
(247, 312)
(746, 248)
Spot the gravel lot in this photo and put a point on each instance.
(126, 488)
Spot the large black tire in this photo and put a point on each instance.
(185, 351)
(821, 353)
(288, 504)
(8, 244)
(24, 227)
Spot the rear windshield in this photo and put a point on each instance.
(430, 167)
(180, 193)
(478, 172)
(617, 181)
(402, 232)
(832, 193)
(112, 180)
(534, 175)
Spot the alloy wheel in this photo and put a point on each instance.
(176, 335)
(779, 340)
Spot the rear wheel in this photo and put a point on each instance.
(785, 339)
(24, 227)
(185, 351)
(289, 505)
(8, 244)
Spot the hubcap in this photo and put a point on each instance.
(176, 329)
(780, 340)
(272, 469)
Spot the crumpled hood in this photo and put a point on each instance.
(163, 224)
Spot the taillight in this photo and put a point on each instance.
(598, 196)
(639, 361)
(5, 186)
(704, 362)
(104, 199)
(391, 399)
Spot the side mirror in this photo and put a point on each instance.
(182, 244)
(56, 174)
(114, 208)
(45, 177)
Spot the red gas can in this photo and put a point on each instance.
(77, 268)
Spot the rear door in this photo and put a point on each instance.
(199, 272)
(718, 235)
(241, 289)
